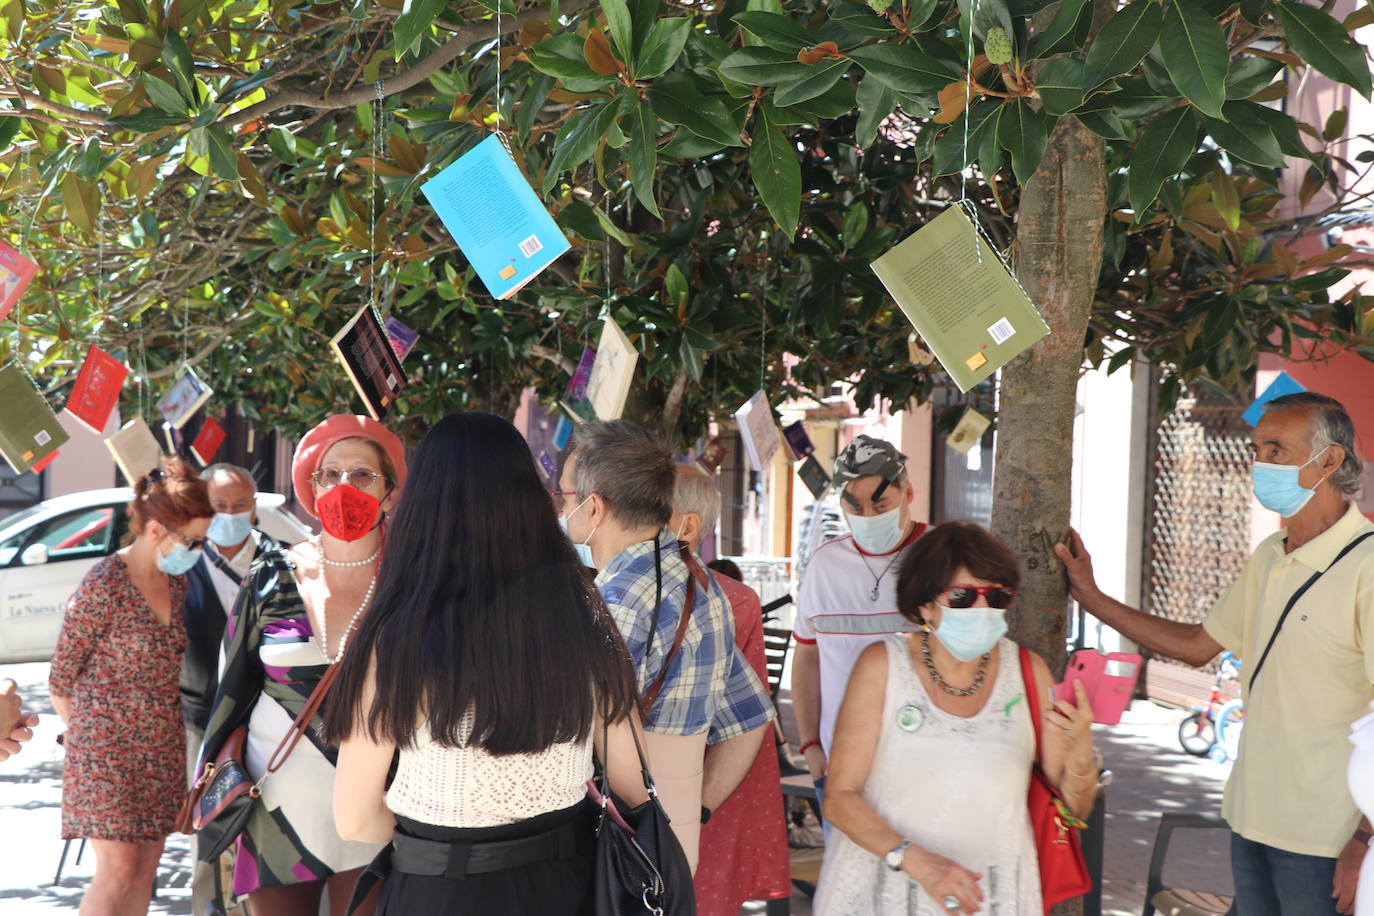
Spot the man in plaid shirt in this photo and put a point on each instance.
(616, 499)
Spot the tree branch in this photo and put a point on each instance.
(540, 351)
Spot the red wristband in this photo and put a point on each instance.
(806, 745)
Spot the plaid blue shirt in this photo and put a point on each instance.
(710, 686)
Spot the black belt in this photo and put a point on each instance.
(455, 861)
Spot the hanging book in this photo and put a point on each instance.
(371, 363)
(814, 476)
(29, 431)
(495, 217)
(42, 464)
(97, 389)
(608, 385)
(758, 431)
(184, 398)
(713, 456)
(1282, 384)
(968, 431)
(134, 449)
(798, 440)
(963, 299)
(16, 271)
(402, 338)
(207, 441)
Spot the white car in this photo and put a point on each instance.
(46, 550)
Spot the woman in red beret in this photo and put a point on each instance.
(292, 621)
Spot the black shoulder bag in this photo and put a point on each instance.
(1302, 590)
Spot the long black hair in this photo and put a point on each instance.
(481, 605)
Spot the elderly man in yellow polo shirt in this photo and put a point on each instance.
(1301, 615)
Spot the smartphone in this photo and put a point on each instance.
(1108, 679)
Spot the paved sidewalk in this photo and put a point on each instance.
(1151, 772)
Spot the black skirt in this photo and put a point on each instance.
(554, 887)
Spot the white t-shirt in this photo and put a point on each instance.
(838, 613)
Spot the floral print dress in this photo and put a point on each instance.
(125, 771)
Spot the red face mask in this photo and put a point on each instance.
(348, 513)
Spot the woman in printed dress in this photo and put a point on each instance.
(292, 621)
(114, 679)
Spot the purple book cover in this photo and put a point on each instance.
(798, 440)
(577, 385)
(402, 338)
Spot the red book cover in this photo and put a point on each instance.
(97, 389)
(15, 273)
(208, 440)
(44, 462)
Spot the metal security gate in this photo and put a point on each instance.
(1200, 506)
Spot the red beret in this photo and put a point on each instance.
(319, 440)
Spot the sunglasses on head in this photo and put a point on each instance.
(962, 596)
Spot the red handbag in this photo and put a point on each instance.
(1063, 872)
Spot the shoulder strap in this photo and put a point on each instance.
(223, 566)
(1032, 696)
(689, 603)
(1302, 590)
(302, 723)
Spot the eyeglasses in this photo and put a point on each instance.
(329, 478)
(191, 543)
(559, 494)
(962, 596)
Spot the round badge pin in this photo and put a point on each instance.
(910, 718)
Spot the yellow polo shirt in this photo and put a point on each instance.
(1288, 788)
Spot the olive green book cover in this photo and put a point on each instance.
(29, 430)
(961, 297)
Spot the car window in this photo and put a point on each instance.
(83, 533)
(10, 546)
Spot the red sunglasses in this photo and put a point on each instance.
(963, 596)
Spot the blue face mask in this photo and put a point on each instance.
(584, 550)
(876, 533)
(968, 632)
(180, 561)
(230, 528)
(1277, 488)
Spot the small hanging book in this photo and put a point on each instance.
(134, 449)
(402, 338)
(961, 296)
(97, 388)
(207, 441)
(495, 217)
(184, 398)
(16, 272)
(370, 361)
(29, 431)
(758, 431)
(613, 368)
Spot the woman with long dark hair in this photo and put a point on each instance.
(492, 665)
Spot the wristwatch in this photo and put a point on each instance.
(894, 858)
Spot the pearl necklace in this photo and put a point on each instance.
(940, 682)
(319, 549)
(348, 630)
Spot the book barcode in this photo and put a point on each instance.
(531, 246)
(391, 381)
(1001, 331)
(42, 437)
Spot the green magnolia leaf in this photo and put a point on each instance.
(578, 139)
(643, 158)
(561, 56)
(763, 67)
(949, 156)
(676, 286)
(875, 102)
(1137, 100)
(177, 57)
(1284, 128)
(663, 47)
(816, 82)
(1249, 138)
(580, 217)
(835, 102)
(986, 13)
(621, 26)
(1195, 54)
(1063, 32)
(415, 20)
(1249, 75)
(855, 224)
(858, 19)
(989, 151)
(775, 169)
(921, 66)
(677, 100)
(782, 33)
(1124, 41)
(165, 96)
(1165, 147)
(146, 121)
(283, 145)
(687, 145)
(1326, 45)
(223, 156)
(81, 200)
(241, 87)
(1060, 84)
(1103, 123)
(1023, 131)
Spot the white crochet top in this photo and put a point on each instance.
(468, 787)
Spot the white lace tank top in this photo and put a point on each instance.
(468, 787)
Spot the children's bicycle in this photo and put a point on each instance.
(1214, 730)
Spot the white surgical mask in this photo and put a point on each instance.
(584, 550)
(876, 533)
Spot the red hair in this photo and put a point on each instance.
(172, 495)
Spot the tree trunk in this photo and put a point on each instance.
(1057, 256)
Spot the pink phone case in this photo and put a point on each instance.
(1109, 693)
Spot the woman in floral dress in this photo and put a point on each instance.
(114, 682)
(292, 621)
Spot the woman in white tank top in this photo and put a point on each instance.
(934, 746)
(491, 666)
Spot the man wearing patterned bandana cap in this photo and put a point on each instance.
(848, 596)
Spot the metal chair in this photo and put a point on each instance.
(1172, 901)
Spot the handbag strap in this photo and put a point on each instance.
(650, 697)
(1302, 590)
(301, 724)
(1032, 699)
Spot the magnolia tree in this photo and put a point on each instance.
(223, 183)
